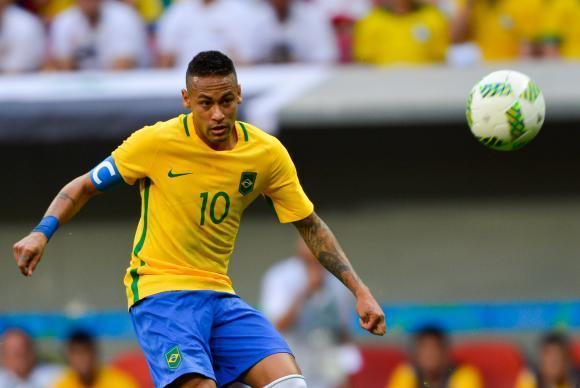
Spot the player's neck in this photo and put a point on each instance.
(225, 145)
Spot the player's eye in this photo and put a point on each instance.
(205, 103)
(227, 102)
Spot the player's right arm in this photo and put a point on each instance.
(67, 203)
(130, 162)
(70, 199)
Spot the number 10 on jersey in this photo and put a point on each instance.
(205, 198)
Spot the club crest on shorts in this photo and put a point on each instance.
(247, 182)
(173, 357)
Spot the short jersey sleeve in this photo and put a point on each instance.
(284, 189)
(134, 158)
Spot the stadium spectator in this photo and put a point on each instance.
(191, 26)
(19, 361)
(312, 310)
(401, 31)
(502, 29)
(46, 10)
(554, 369)
(85, 368)
(432, 366)
(344, 32)
(149, 10)
(561, 29)
(22, 42)
(354, 9)
(287, 31)
(98, 34)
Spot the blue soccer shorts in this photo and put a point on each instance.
(214, 334)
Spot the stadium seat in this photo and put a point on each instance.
(134, 364)
(498, 362)
(378, 364)
(575, 348)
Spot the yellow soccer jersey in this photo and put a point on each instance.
(193, 198)
(499, 27)
(384, 38)
(561, 25)
(463, 377)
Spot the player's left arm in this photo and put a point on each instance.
(327, 250)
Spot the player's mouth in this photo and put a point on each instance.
(219, 130)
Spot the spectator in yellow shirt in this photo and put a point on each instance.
(85, 369)
(561, 29)
(432, 366)
(401, 31)
(554, 369)
(503, 29)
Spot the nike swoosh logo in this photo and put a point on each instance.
(171, 174)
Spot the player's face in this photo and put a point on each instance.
(213, 101)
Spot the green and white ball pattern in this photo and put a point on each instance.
(505, 110)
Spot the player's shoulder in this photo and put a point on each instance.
(256, 135)
(166, 128)
(158, 134)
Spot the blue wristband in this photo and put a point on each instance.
(47, 226)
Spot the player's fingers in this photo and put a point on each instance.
(16, 252)
(23, 261)
(33, 263)
(368, 321)
(381, 327)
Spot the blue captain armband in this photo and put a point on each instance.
(106, 175)
(47, 226)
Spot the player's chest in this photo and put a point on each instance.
(238, 178)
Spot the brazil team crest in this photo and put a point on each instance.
(247, 182)
(173, 357)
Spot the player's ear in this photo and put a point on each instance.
(240, 99)
(185, 98)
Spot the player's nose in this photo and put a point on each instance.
(217, 115)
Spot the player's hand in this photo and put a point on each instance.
(28, 251)
(371, 316)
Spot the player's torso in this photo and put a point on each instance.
(196, 198)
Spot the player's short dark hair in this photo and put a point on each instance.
(82, 337)
(555, 338)
(432, 331)
(208, 63)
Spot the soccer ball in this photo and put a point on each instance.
(505, 110)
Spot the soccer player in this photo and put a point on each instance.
(197, 173)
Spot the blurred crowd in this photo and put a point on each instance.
(430, 362)
(21, 367)
(125, 34)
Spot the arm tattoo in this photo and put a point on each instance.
(326, 249)
(64, 196)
